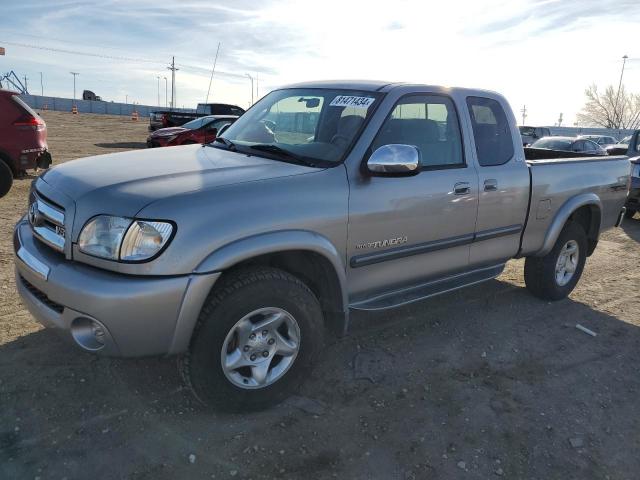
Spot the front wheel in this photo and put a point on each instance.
(554, 276)
(255, 341)
(629, 213)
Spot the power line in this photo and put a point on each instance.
(116, 57)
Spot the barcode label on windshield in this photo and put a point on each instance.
(351, 101)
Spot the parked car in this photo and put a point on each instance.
(170, 118)
(619, 148)
(602, 140)
(633, 152)
(23, 139)
(200, 130)
(322, 199)
(531, 134)
(569, 144)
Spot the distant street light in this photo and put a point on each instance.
(615, 110)
(166, 89)
(158, 77)
(250, 78)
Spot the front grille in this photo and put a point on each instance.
(47, 221)
(40, 295)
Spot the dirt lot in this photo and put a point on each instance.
(482, 383)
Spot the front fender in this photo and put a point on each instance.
(287, 240)
(563, 214)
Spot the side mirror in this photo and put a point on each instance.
(395, 159)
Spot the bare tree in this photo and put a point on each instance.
(611, 109)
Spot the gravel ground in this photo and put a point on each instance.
(484, 383)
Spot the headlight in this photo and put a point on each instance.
(118, 238)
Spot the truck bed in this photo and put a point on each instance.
(558, 181)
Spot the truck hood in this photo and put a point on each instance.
(123, 183)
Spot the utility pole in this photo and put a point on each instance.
(75, 74)
(524, 114)
(250, 78)
(166, 89)
(158, 77)
(560, 120)
(126, 99)
(41, 86)
(173, 81)
(615, 109)
(212, 72)
(26, 88)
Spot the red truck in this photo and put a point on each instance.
(23, 139)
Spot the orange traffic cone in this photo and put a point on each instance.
(74, 110)
(134, 116)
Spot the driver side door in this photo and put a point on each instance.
(404, 230)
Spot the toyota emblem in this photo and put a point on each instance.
(34, 217)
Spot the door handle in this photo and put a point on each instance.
(461, 188)
(491, 185)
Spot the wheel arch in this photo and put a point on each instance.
(585, 209)
(308, 255)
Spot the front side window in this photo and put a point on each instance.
(428, 122)
(491, 131)
(305, 125)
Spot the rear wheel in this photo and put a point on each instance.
(255, 340)
(629, 213)
(6, 178)
(555, 275)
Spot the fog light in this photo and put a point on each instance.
(89, 334)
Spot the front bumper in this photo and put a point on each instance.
(140, 316)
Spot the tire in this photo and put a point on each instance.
(540, 274)
(629, 213)
(6, 178)
(253, 295)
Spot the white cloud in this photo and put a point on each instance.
(539, 53)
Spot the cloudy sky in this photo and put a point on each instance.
(541, 54)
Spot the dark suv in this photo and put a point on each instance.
(23, 139)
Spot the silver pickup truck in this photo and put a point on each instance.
(323, 198)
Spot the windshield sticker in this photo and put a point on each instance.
(351, 101)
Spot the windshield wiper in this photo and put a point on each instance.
(282, 153)
(228, 143)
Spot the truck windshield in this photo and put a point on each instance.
(527, 131)
(303, 125)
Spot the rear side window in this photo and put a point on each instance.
(491, 132)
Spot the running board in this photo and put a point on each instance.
(405, 296)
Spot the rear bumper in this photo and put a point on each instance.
(34, 157)
(140, 316)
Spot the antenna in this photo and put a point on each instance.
(212, 72)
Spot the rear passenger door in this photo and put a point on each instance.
(503, 183)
